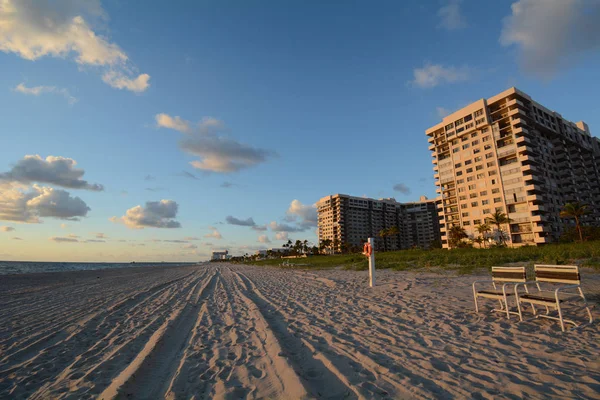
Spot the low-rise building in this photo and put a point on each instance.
(348, 221)
(220, 255)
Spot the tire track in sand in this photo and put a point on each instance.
(316, 377)
(149, 375)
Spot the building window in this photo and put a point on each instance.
(480, 176)
(486, 138)
(485, 202)
(459, 173)
(474, 204)
(472, 187)
(469, 170)
(486, 211)
(474, 135)
(466, 223)
(495, 190)
(477, 221)
(479, 112)
(491, 164)
(457, 165)
(458, 182)
(465, 214)
(487, 147)
(483, 193)
(465, 146)
(478, 167)
(497, 199)
(474, 142)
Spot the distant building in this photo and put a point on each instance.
(510, 153)
(220, 255)
(348, 220)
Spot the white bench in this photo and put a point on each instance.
(507, 276)
(567, 276)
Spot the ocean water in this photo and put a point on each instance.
(30, 267)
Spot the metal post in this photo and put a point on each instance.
(372, 263)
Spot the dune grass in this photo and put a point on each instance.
(463, 260)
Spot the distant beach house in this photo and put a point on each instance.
(220, 255)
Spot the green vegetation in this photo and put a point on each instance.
(463, 260)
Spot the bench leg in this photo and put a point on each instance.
(519, 309)
(586, 304)
(560, 317)
(506, 305)
(475, 298)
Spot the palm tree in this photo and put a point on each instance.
(482, 229)
(325, 243)
(575, 210)
(456, 234)
(498, 218)
(479, 240)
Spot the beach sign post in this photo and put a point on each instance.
(368, 250)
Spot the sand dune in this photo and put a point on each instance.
(229, 331)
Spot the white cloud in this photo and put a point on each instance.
(432, 75)
(37, 90)
(95, 241)
(402, 188)
(41, 201)
(63, 28)
(119, 80)
(54, 170)
(176, 123)
(64, 226)
(442, 112)
(282, 236)
(59, 239)
(451, 17)
(307, 214)
(6, 228)
(191, 238)
(550, 34)
(155, 214)
(264, 239)
(218, 153)
(215, 234)
(101, 235)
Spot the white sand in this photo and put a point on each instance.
(227, 331)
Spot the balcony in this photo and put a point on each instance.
(520, 130)
(534, 197)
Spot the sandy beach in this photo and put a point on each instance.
(231, 331)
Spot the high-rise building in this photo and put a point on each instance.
(512, 154)
(349, 221)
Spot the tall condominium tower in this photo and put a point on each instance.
(512, 154)
(349, 221)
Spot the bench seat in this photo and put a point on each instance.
(547, 297)
(493, 293)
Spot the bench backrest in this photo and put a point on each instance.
(568, 274)
(509, 274)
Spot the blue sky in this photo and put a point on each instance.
(279, 103)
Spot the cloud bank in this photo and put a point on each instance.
(155, 214)
(217, 152)
(55, 170)
(551, 34)
(34, 29)
(39, 202)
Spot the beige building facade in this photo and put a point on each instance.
(349, 221)
(512, 154)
